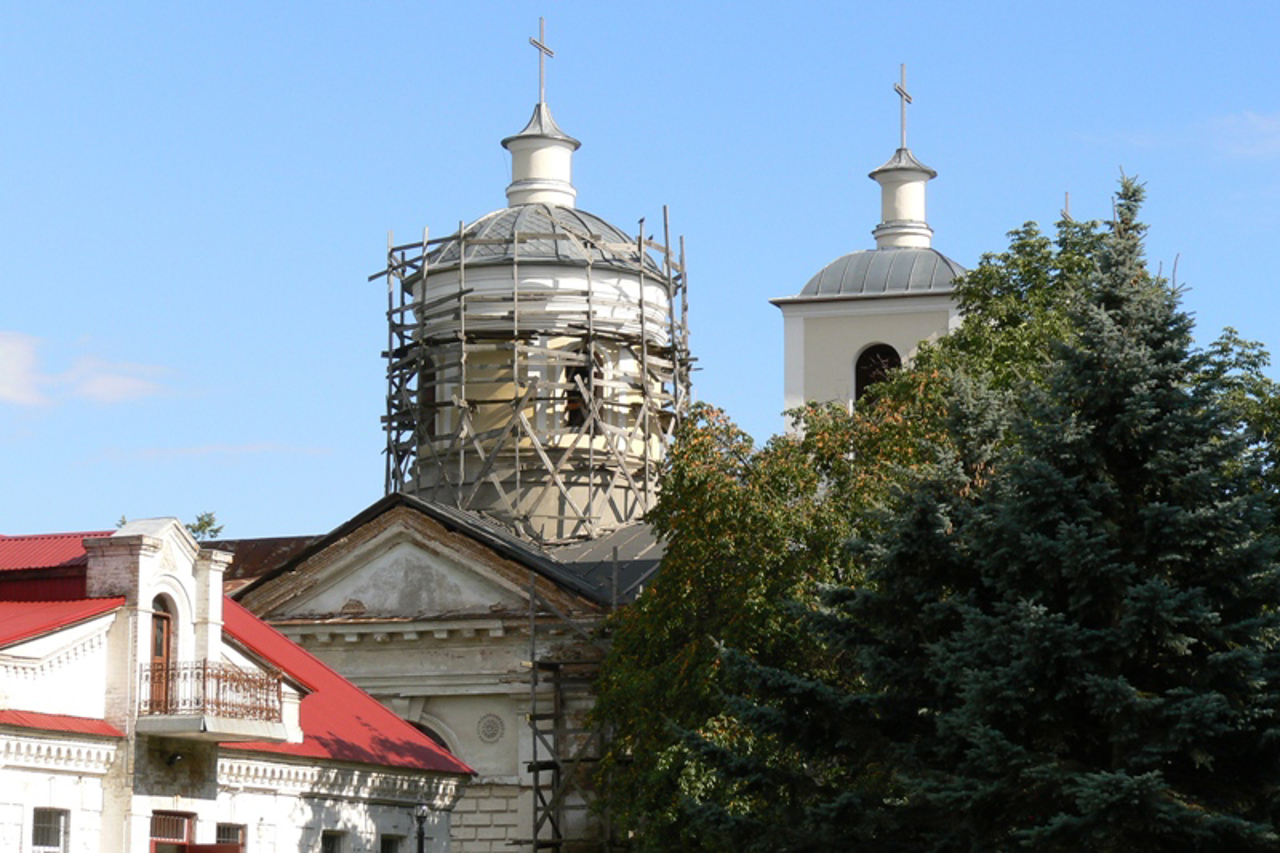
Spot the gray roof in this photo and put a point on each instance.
(580, 235)
(543, 125)
(884, 272)
(639, 554)
(903, 159)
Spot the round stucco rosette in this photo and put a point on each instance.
(490, 728)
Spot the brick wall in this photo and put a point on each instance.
(486, 818)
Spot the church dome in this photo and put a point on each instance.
(885, 272)
(580, 237)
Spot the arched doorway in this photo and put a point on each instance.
(161, 654)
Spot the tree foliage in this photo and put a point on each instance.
(205, 526)
(1066, 637)
(773, 524)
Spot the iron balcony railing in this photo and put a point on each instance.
(217, 689)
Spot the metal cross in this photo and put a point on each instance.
(543, 52)
(901, 89)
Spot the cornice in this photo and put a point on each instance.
(440, 791)
(30, 668)
(56, 754)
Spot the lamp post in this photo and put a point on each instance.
(420, 812)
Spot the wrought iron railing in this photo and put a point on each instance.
(204, 687)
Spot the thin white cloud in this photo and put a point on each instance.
(1247, 136)
(24, 383)
(108, 382)
(19, 373)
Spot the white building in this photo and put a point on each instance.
(868, 311)
(142, 711)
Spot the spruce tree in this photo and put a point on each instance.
(1109, 679)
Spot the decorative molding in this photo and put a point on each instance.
(56, 754)
(398, 631)
(340, 783)
(30, 668)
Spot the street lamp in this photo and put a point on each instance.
(420, 812)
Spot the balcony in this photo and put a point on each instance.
(210, 701)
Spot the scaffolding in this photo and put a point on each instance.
(535, 375)
(566, 747)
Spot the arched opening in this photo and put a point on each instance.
(873, 366)
(161, 653)
(587, 375)
(431, 733)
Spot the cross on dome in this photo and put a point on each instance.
(901, 89)
(543, 52)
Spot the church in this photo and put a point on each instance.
(537, 364)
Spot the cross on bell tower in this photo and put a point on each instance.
(901, 89)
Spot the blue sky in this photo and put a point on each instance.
(192, 196)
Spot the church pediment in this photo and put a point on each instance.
(401, 564)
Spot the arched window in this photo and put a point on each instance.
(430, 732)
(873, 366)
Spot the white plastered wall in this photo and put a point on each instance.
(823, 339)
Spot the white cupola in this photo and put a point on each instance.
(542, 153)
(902, 206)
(902, 189)
(541, 162)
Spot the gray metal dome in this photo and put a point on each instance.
(885, 272)
(580, 236)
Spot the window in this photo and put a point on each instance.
(873, 366)
(49, 830)
(431, 733)
(331, 842)
(391, 844)
(232, 833)
(171, 831)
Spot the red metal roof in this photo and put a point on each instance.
(339, 720)
(58, 723)
(45, 551)
(22, 620)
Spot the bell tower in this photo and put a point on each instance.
(866, 312)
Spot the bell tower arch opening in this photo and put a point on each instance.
(873, 365)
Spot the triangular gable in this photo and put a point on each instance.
(405, 561)
(339, 720)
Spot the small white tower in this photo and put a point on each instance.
(867, 312)
(541, 162)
